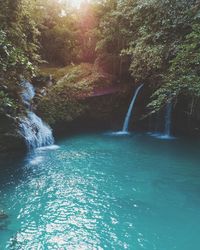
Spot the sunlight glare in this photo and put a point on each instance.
(75, 3)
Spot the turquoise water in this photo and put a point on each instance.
(97, 191)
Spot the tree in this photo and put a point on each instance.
(58, 34)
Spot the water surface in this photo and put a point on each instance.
(97, 191)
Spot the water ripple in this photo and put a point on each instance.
(102, 195)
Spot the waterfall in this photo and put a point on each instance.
(166, 134)
(35, 132)
(168, 119)
(128, 115)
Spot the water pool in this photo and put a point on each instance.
(96, 191)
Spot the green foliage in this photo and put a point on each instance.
(57, 26)
(147, 61)
(56, 72)
(17, 21)
(58, 46)
(7, 105)
(113, 37)
(158, 26)
(151, 41)
(63, 100)
(183, 76)
(18, 52)
(87, 22)
(158, 40)
(18, 41)
(13, 61)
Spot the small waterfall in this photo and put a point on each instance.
(35, 132)
(168, 119)
(166, 134)
(128, 115)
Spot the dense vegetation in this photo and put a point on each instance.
(151, 41)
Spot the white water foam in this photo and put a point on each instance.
(35, 132)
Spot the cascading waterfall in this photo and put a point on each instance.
(35, 132)
(128, 115)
